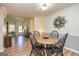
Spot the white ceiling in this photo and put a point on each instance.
(33, 9)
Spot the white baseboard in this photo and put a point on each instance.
(72, 50)
(2, 50)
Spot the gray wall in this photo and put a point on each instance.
(72, 26)
(72, 42)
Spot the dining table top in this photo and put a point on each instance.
(46, 40)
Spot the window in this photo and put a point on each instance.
(20, 28)
(11, 27)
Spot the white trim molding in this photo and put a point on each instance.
(71, 49)
(2, 50)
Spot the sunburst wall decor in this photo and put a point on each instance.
(59, 22)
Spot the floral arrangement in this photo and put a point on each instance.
(59, 22)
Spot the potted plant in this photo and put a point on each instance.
(11, 33)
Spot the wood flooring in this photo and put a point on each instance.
(23, 48)
(25, 51)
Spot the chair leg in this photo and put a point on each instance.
(31, 53)
(61, 54)
(37, 53)
(56, 54)
(43, 52)
(49, 52)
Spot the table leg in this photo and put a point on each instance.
(45, 54)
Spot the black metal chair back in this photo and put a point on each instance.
(37, 48)
(61, 42)
(57, 48)
(36, 33)
(54, 34)
(32, 39)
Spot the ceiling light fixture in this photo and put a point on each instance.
(44, 6)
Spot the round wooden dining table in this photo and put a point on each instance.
(46, 40)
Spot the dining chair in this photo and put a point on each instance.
(37, 48)
(54, 34)
(57, 49)
(36, 34)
